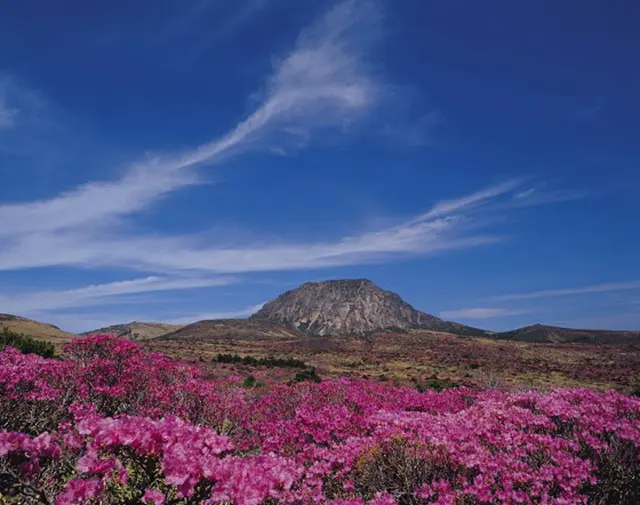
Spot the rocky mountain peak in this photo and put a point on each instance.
(348, 307)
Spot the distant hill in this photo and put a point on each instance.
(137, 330)
(233, 328)
(35, 329)
(351, 307)
(554, 334)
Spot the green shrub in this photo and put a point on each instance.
(251, 382)
(309, 374)
(25, 344)
(252, 361)
(435, 384)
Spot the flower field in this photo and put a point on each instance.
(113, 424)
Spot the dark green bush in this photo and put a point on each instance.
(309, 374)
(269, 362)
(435, 384)
(25, 344)
(251, 382)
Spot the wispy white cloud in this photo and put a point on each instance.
(525, 194)
(448, 225)
(228, 314)
(38, 301)
(98, 203)
(596, 288)
(480, 313)
(474, 199)
(323, 82)
(532, 197)
(80, 322)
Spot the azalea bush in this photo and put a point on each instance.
(112, 424)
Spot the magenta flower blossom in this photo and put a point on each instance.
(154, 496)
(113, 418)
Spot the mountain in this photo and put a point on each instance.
(351, 307)
(35, 329)
(555, 334)
(137, 330)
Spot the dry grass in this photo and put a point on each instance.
(35, 329)
(138, 330)
(417, 356)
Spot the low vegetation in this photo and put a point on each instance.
(418, 356)
(309, 374)
(113, 424)
(268, 362)
(25, 344)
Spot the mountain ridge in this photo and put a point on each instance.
(351, 307)
(137, 330)
(543, 333)
(35, 329)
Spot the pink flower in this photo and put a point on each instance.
(383, 499)
(153, 496)
(80, 491)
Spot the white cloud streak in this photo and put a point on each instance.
(480, 313)
(446, 226)
(82, 322)
(596, 288)
(102, 293)
(323, 82)
(203, 316)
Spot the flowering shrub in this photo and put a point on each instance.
(113, 425)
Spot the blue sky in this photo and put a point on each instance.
(195, 159)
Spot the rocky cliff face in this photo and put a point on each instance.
(350, 307)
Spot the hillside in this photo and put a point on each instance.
(137, 330)
(351, 307)
(554, 334)
(230, 329)
(413, 356)
(35, 329)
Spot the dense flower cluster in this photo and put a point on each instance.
(113, 424)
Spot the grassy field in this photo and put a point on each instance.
(35, 329)
(421, 357)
